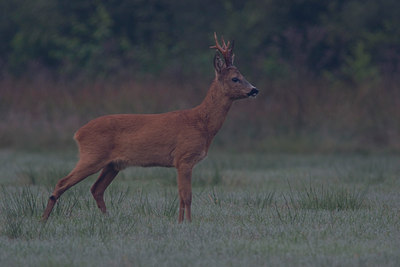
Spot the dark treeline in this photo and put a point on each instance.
(329, 71)
(351, 40)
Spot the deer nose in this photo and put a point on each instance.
(253, 92)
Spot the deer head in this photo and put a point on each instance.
(234, 84)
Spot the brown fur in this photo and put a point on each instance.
(177, 139)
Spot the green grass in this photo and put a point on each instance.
(248, 210)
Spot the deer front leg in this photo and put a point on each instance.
(185, 192)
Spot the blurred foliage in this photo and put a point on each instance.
(328, 70)
(349, 39)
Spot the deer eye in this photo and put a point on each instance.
(235, 80)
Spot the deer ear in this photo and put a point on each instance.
(219, 64)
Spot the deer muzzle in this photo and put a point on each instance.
(253, 92)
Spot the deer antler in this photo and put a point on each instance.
(225, 50)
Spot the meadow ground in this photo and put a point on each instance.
(248, 210)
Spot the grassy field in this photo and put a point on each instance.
(248, 210)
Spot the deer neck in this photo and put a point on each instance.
(214, 109)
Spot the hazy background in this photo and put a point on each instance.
(328, 71)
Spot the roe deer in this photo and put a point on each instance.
(177, 139)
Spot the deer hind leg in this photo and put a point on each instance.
(185, 192)
(106, 177)
(80, 172)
